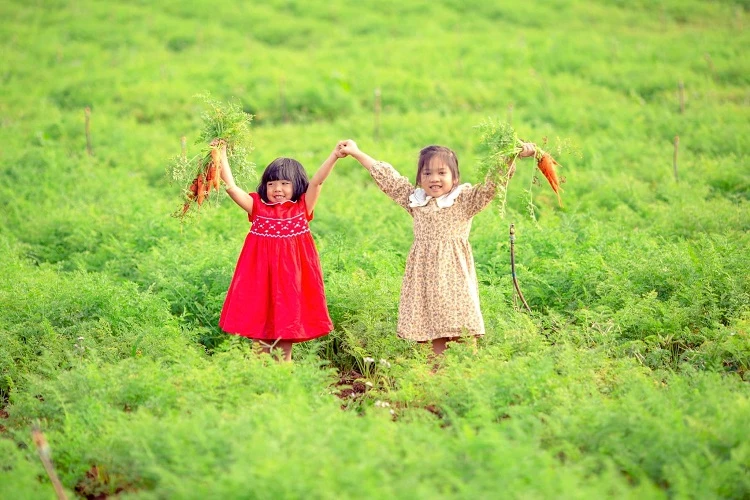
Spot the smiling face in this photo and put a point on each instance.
(437, 170)
(279, 191)
(436, 178)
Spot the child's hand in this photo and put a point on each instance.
(348, 147)
(220, 145)
(338, 152)
(529, 149)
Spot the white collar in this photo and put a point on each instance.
(420, 198)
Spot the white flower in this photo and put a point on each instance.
(393, 412)
(368, 360)
(368, 383)
(80, 338)
(382, 404)
(385, 363)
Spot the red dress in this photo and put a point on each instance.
(277, 288)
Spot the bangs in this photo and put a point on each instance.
(281, 171)
(444, 157)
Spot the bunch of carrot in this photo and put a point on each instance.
(208, 178)
(224, 125)
(501, 148)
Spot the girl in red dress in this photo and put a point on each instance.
(276, 295)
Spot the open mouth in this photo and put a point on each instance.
(279, 197)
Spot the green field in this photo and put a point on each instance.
(629, 379)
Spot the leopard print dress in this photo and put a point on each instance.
(439, 294)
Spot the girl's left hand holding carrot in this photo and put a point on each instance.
(529, 149)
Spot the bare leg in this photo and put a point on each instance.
(439, 346)
(284, 345)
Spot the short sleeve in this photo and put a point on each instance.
(303, 203)
(395, 185)
(256, 201)
(476, 198)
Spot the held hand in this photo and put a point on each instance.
(529, 149)
(338, 152)
(348, 147)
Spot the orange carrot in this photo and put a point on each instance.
(212, 177)
(201, 189)
(193, 190)
(216, 161)
(216, 157)
(547, 165)
(217, 179)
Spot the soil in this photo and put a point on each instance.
(350, 386)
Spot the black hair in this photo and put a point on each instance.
(445, 154)
(284, 169)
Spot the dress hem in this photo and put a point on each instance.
(440, 336)
(269, 339)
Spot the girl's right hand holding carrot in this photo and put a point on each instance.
(225, 172)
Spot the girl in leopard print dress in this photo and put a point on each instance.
(439, 295)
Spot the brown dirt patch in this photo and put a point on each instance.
(350, 386)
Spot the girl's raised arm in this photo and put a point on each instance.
(350, 148)
(479, 196)
(316, 183)
(239, 196)
(396, 186)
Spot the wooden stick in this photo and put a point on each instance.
(674, 158)
(89, 147)
(46, 456)
(377, 110)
